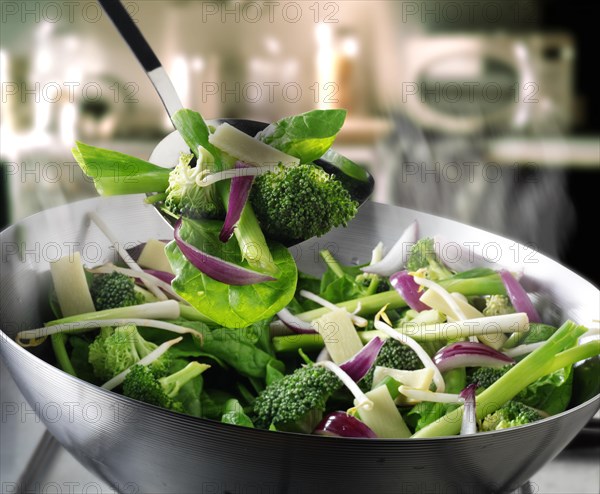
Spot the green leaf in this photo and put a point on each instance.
(79, 358)
(228, 305)
(586, 381)
(195, 132)
(273, 374)
(537, 332)
(213, 403)
(551, 393)
(307, 136)
(347, 166)
(234, 414)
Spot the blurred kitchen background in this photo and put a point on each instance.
(483, 111)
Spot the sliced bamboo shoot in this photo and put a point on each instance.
(72, 291)
(383, 418)
(417, 379)
(339, 335)
(436, 301)
(153, 256)
(247, 149)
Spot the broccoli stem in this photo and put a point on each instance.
(332, 263)
(60, 352)
(173, 383)
(531, 368)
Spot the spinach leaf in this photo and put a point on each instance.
(273, 374)
(79, 358)
(236, 348)
(233, 413)
(307, 136)
(586, 381)
(551, 393)
(228, 305)
(194, 131)
(537, 332)
(338, 287)
(213, 403)
(347, 166)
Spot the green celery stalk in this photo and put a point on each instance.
(535, 365)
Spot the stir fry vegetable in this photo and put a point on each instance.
(385, 387)
(405, 346)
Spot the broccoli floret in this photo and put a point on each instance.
(497, 305)
(512, 414)
(296, 401)
(394, 355)
(423, 257)
(114, 350)
(486, 376)
(143, 383)
(185, 196)
(299, 202)
(113, 290)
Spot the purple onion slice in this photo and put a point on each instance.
(340, 424)
(296, 324)
(469, 354)
(238, 196)
(161, 275)
(405, 285)
(358, 365)
(518, 296)
(469, 419)
(216, 268)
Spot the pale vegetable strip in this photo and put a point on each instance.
(100, 223)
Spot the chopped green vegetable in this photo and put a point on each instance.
(307, 136)
(114, 290)
(512, 414)
(423, 257)
(144, 384)
(297, 401)
(185, 196)
(299, 202)
(232, 306)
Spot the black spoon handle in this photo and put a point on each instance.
(144, 53)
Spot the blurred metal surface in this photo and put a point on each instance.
(134, 445)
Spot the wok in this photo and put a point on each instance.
(136, 447)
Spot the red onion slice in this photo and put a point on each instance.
(358, 365)
(469, 419)
(518, 296)
(296, 324)
(469, 354)
(405, 285)
(161, 275)
(216, 268)
(238, 196)
(340, 424)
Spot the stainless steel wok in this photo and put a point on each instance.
(139, 448)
